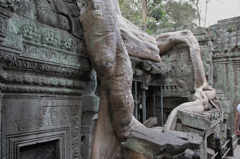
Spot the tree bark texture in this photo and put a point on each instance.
(138, 43)
(144, 14)
(109, 57)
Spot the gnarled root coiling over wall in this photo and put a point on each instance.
(203, 92)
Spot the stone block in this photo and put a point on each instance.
(188, 154)
(85, 129)
(215, 113)
(90, 103)
(199, 31)
(74, 9)
(30, 12)
(210, 153)
(205, 49)
(226, 107)
(63, 22)
(215, 122)
(76, 29)
(145, 65)
(87, 117)
(224, 135)
(138, 72)
(150, 142)
(180, 127)
(207, 115)
(224, 128)
(150, 122)
(194, 120)
(225, 116)
(61, 7)
(129, 154)
(203, 37)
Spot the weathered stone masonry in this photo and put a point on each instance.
(219, 46)
(220, 52)
(45, 81)
(47, 86)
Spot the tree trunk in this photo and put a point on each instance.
(198, 13)
(138, 43)
(109, 57)
(205, 20)
(144, 14)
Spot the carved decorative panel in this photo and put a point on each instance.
(45, 44)
(30, 119)
(179, 81)
(43, 72)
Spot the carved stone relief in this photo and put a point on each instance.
(38, 66)
(60, 14)
(35, 46)
(59, 116)
(13, 41)
(179, 80)
(39, 118)
(39, 61)
(208, 66)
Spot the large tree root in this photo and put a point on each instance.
(203, 92)
(109, 39)
(110, 59)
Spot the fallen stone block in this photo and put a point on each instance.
(151, 142)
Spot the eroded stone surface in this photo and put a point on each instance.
(150, 142)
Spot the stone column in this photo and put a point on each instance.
(90, 103)
(90, 108)
(1, 96)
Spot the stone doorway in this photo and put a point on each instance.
(46, 150)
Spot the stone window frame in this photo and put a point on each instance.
(15, 142)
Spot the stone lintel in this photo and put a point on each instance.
(90, 103)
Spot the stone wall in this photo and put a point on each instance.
(226, 61)
(47, 89)
(219, 46)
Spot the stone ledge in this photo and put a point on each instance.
(194, 120)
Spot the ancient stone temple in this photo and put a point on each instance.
(48, 106)
(45, 81)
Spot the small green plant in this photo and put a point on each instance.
(230, 29)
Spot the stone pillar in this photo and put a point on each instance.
(90, 108)
(1, 96)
